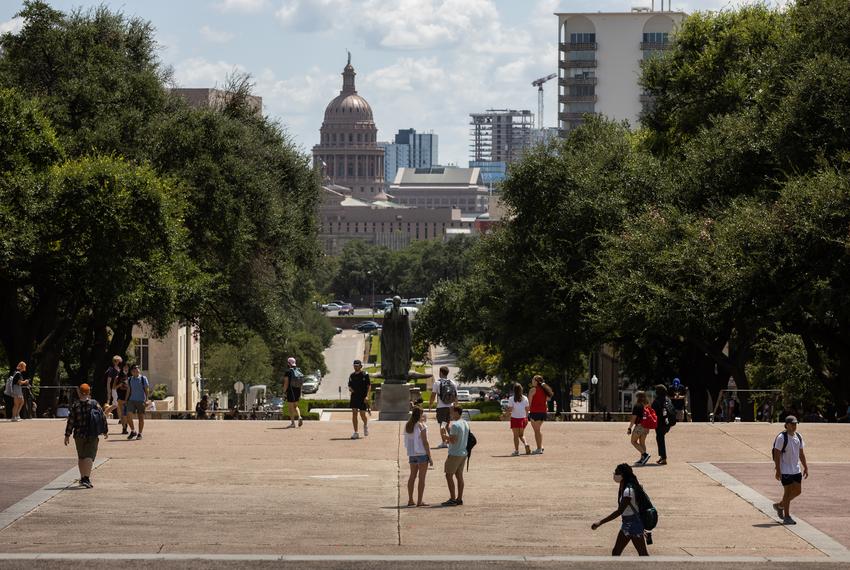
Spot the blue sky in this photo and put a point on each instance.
(424, 64)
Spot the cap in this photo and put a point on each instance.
(791, 420)
(358, 363)
(291, 361)
(85, 388)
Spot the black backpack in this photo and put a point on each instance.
(448, 392)
(296, 379)
(95, 421)
(646, 510)
(785, 441)
(671, 413)
(471, 442)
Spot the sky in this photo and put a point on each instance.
(422, 64)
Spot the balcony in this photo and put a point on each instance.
(577, 64)
(573, 116)
(654, 46)
(566, 81)
(578, 99)
(571, 46)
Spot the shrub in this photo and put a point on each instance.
(160, 392)
(486, 417)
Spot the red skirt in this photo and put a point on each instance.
(519, 423)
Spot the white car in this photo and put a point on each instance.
(463, 396)
(331, 307)
(310, 385)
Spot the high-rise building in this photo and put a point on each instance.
(499, 135)
(409, 149)
(599, 56)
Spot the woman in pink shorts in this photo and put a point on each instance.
(518, 407)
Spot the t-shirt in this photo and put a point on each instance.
(120, 386)
(789, 462)
(638, 412)
(677, 395)
(137, 388)
(359, 383)
(520, 409)
(413, 441)
(435, 389)
(631, 510)
(17, 378)
(111, 374)
(459, 429)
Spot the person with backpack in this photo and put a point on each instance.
(15, 389)
(643, 419)
(666, 414)
(444, 391)
(139, 390)
(518, 410)
(292, 381)
(538, 412)
(788, 454)
(629, 498)
(457, 437)
(360, 387)
(86, 423)
(418, 454)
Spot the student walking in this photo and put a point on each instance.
(137, 397)
(14, 389)
(418, 454)
(539, 394)
(292, 381)
(631, 527)
(666, 414)
(444, 391)
(637, 430)
(86, 422)
(456, 437)
(359, 387)
(122, 389)
(788, 454)
(518, 409)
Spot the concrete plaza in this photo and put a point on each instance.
(195, 492)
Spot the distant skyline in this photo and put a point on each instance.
(422, 64)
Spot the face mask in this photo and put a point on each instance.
(618, 478)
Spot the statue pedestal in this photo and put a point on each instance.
(395, 402)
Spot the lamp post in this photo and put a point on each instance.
(372, 277)
(593, 382)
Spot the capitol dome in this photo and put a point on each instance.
(348, 107)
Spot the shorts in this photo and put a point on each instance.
(519, 423)
(134, 407)
(417, 459)
(454, 464)
(358, 404)
(293, 394)
(17, 391)
(639, 430)
(632, 526)
(791, 479)
(114, 396)
(444, 415)
(538, 416)
(86, 447)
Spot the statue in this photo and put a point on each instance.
(396, 338)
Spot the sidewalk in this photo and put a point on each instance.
(256, 488)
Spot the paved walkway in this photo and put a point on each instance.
(255, 489)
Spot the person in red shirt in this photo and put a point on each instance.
(539, 394)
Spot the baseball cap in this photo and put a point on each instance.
(291, 361)
(358, 363)
(85, 388)
(791, 420)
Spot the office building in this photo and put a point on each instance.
(441, 187)
(409, 149)
(500, 135)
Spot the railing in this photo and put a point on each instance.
(578, 46)
(579, 98)
(654, 46)
(566, 81)
(577, 63)
(573, 116)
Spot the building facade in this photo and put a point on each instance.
(599, 57)
(348, 153)
(409, 149)
(441, 187)
(173, 360)
(500, 135)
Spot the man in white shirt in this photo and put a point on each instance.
(443, 386)
(788, 454)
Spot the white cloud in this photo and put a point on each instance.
(247, 6)
(198, 72)
(215, 36)
(13, 26)
(313, 15)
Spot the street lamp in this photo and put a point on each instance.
(593, 382)
(372, 277)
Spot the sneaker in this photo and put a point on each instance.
(16, 419)
(355, 435)
(459, 502)
(86, 482)
(132, 435)
(365, 431)
(779, 512)
(788, 520)
(527, 449)
(138, 437)
(645, 458)
(124, 431)
(300, 422)
(537, 452)
(515, 454)
(443, 446)
(291, 425)
(450, 503)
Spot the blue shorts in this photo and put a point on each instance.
(416, 459)
(632, 526)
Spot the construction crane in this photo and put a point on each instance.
(539, 84)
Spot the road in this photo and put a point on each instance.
(346, 346)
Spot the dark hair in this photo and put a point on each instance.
(629, 478)
(542, 384)
(415, 416)
(457, 409)
(517, 392)
(444, 370)
(661, 390)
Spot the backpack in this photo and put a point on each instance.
(671, 413)
(296, 379)
(448, 392)
(646, 510)
(471, 442)
(785, 441)
(10, 381)
(650, 420)
(95, 421)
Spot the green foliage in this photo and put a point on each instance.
(160, 392)
(249, 362)
(780, 362)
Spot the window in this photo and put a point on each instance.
(359, 137)
(582, 56)
(656, 37)
(583, 38)
(142, 353)
(582, 91)
(350, 137)
(579, 108)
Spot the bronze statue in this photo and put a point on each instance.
(396, 339)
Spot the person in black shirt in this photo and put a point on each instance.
(359, 386)
(659, 404)
(16, 390)
(679, 396)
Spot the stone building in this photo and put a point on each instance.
(173, 360)
(441, 187)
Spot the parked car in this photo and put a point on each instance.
(275, 404)
(381, 305)
(310, 385)
(463, 396)
(367, 326)
(331, 307)
(347, 309)
(337, 330)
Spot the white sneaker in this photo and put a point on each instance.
(442, 446)
(365, 431)
(355, 435)
(15, 419)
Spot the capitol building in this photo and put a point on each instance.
(355, 204)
